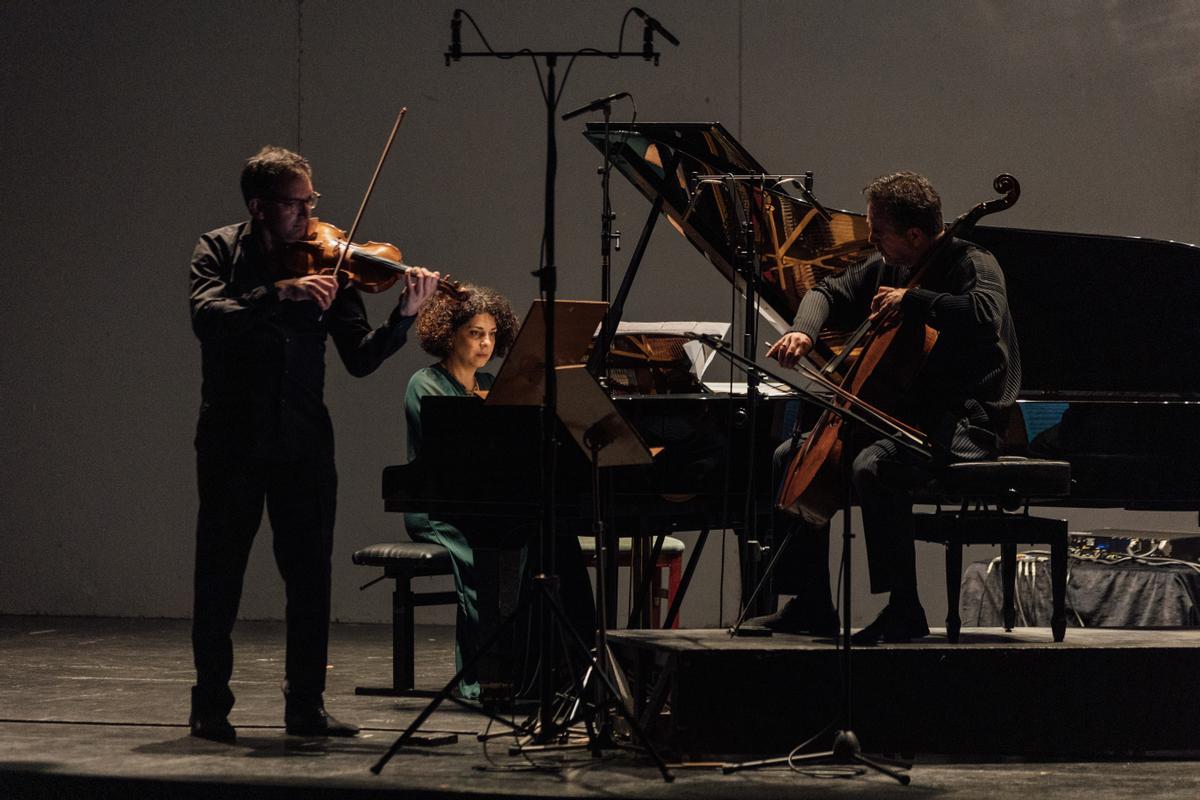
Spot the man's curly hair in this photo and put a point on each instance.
(907, 200)
(443, 315)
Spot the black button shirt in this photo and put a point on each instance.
(263, 359)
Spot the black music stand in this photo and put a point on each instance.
(593, 421)
(588, 414)
(846, 749)
(521, 381)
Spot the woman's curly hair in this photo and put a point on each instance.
(443, 315)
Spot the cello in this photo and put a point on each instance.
(892, 355)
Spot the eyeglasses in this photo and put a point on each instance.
(294, 203)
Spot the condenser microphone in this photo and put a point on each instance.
(655, 25)
(594, 105)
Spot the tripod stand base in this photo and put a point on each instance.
(751, 631)
(848, 752)
(545, 589)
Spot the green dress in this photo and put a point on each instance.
(436, 380)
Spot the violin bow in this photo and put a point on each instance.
(337, 268)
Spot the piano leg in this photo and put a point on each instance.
(612, 560)
(686, 580)
(498, 571)
(953, 589)
(649, 549)
(1008, 575)
(641, 566)
(753, 557)
(1058, 582)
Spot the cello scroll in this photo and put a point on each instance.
(1004, 184)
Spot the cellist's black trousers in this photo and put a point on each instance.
(884, 476)
(300, 498)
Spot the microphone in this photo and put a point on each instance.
(456, 36)
(655, 25)
(594, 105)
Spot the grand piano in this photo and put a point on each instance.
(1111, 375)
(1110, 359)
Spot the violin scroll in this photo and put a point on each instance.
(453, 289)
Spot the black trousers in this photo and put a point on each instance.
(884, 476)
(300, 498)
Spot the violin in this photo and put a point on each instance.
(372, 267)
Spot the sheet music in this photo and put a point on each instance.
(739, 388)
(699, 355)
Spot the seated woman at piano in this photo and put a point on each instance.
(464, 335)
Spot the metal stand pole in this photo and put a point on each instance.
(545, 582)
(846, 749)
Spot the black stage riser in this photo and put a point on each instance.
(1081, 698)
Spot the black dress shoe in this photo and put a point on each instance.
(894, 625)
(796, 618)
(316, 721)
(216, 729)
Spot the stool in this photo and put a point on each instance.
(403, 561)
(993, 499)
(670, 558)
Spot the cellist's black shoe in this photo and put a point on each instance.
(794, 617)
(894, 625)
(215, 729)
(316, 721)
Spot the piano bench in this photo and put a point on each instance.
(670, 558)
(401, 562)
(992, 499)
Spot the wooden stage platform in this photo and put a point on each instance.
(1101, 691)
(97, 708)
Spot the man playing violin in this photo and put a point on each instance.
(264, 434)
(961, 397)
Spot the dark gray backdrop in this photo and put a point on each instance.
(125, 125)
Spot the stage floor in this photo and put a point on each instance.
(98, 707)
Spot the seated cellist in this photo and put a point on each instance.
(960, 399)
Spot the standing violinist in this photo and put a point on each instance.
(961, 397)
(264, 433)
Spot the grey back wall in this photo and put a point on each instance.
(125, 125)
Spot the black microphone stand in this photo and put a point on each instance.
(746, 261)
(608, 239)
(545, 581)
(846, 749)
(606, 543)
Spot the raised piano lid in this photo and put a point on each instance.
(1098, 317)
(798, 247)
